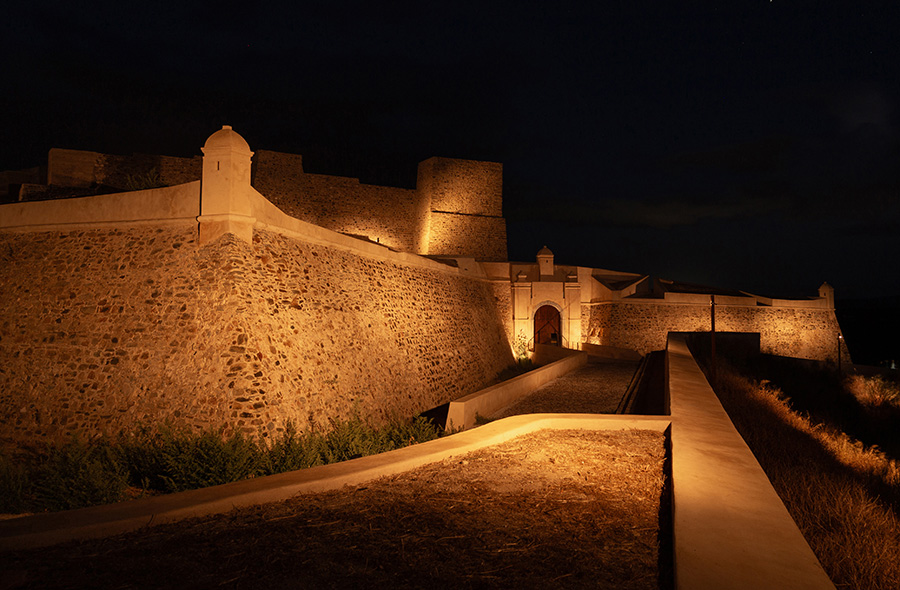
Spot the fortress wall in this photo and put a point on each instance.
(483, 238)
(105, 328)
(82, 168)
(390, 216)
(643, 326)
(462, 186)
(503, 302)
(124, 171)
(72, 167)
(337, 330)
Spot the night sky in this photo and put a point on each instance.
(742, 144)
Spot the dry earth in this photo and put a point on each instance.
(561, 509)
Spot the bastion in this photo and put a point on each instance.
(234, 290)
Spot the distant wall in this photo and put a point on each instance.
(390, 216)
(455, 209)
(480, 237)
(643, 326)
(465, 200)
(104, 328)
(79, 168)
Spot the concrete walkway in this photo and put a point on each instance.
(596, 388)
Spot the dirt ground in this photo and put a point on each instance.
(560, 509)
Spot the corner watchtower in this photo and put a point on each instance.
(225, 187)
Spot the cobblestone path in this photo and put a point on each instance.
(593, 389)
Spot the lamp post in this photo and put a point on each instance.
(712, 336)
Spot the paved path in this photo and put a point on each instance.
(593, 389)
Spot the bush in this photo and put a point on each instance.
(13, 486)
(873, 391)
(174, 460)
(142, 181)
(78, 474)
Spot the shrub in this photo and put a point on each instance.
(142, 181)
(78, 474)
(873, 391)
(13, 486)
(176, 459)
(293, 450)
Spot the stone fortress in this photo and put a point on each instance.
(236, 290)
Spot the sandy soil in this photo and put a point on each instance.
(560, 509)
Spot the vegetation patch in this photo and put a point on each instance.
(842, 490)
(79, 473)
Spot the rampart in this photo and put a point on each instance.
(115, 315)
(455, 209)
(809, 332)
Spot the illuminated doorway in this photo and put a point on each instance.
(546, 325)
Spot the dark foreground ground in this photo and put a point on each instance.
(554, 509)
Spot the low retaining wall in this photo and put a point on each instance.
(463, 411)
(731, 529)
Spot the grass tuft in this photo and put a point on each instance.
(167, 459)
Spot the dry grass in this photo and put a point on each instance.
(873, 391)
(844, 496)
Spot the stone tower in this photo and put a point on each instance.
(225, 187)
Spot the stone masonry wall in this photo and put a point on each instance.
(462, 186)
(123, 171)
(337, 331)
(643, 326)
(391, 216)
(104, 329)
(456, 209)
(477, 236)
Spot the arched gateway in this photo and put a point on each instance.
(547, 325)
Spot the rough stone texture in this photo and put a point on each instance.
(390, 216)
(503, 302)
(462, 186)
(483, 238)
(123, 171)
(643, 326)
(465, 200)
(103, 329)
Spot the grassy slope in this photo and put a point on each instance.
(843, 495)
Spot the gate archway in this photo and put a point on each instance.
(547, 326)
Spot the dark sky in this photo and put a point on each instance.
(743, 144)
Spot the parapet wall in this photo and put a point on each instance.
(455, 209)
(643, 325)
(111, 326)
